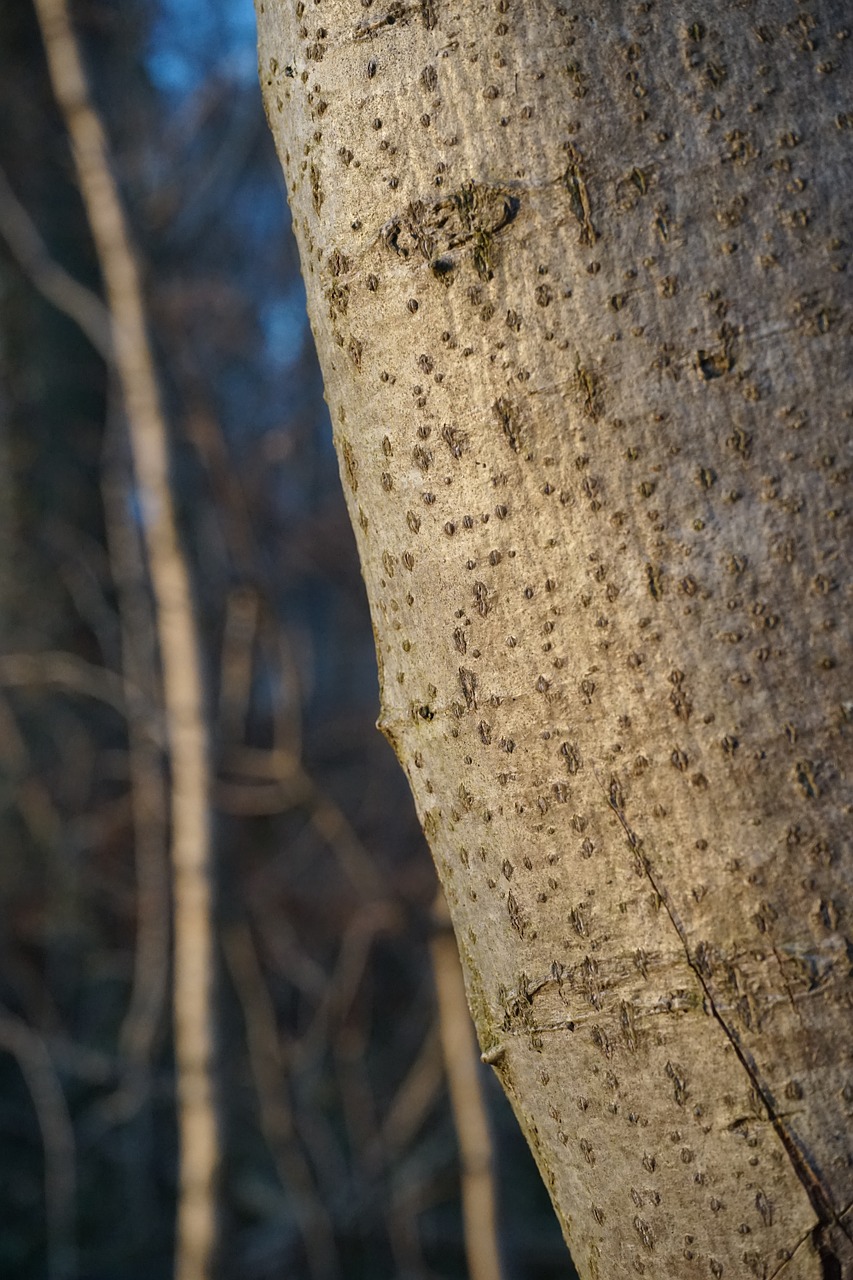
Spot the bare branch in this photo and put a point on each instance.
(57, 1134)
(276, 1116)
(462, 1062)
(143, 1019)
(65, 671)
(52, 281)
(193, 996)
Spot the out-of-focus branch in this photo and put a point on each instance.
(273, 781)
(415, 1097)
(52, 281)
(63, 671)
(237, 666)
(367, 924)
(276, 1116)
(148, 796)
(57, 1136)
(193, 997)
(462, 1063)
(248, 607)
(33, 799)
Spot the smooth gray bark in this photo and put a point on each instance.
(579, 279)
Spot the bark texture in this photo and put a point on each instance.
(579, 279)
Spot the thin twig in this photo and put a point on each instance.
(143, 1018)
(280, 782)
(32, 798)
(65, 671)
(365, 926)
(236, 667)
(462, 1062)
(52, 281)
(416, 1095)
(295, 1176)
(57, 1137)
(205, 432)
(192, 864)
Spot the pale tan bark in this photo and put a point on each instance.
(193, 1005)
(579, 279)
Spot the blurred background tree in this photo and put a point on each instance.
(340, 1156)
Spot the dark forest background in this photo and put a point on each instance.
(335, 1105)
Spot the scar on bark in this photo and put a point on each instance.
(509, 417)
(575, 183)
(401, 13)
(468, 220)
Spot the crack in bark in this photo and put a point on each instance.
(818, 1197)
(784, 1265)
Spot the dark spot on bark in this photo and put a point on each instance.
(350, 465)
(317, 196)
(468, 681)
(713, 364)
(579, 202)
(654, 581)
(508, 416)
(804, 771)
(482, 599)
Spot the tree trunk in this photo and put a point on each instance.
(579, 282)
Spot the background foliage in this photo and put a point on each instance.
(339, 1141)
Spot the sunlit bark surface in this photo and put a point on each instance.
(579, 279)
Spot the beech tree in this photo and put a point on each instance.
(579, 281)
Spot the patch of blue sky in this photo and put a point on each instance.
(283, 323)
(258, 205)
(192, 39)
